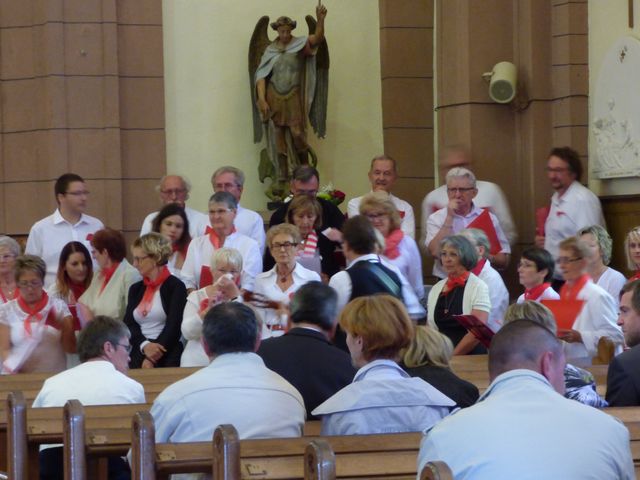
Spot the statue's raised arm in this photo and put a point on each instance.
(289, 83)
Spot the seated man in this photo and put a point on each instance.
(234, 388)
(175, 189)
(103, 348)
(304, 355)
(623, 378)
(522, 427)
(382, 175)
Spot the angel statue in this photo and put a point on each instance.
(289, 83)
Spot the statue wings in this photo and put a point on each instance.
(318, 112)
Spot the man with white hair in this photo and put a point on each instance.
(231, 179)
(175, 189)
(459, 213)
(489, 194)
(498, 293)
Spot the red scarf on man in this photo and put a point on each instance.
(453, 282)
(152, 286)
(391, 243)
(479, 266)
(214, 239)
(536, 292)
(33, 311)
(568, 292)
(107, 273)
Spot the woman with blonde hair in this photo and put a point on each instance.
(383, 398)
(155, 305)
(9, 251)
(599, 242)
(428, 358)
(580, 384)
(632, 250)
(399, 249)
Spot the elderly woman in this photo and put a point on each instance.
(173, 224)
(316, 251)
(598, 240)
(382, 398)
(226, 267)
(461, 293)
(285, 278)
(107, 293)
(196, 273)
(535, 272)
(498, 293)
(155, 306)
(598, 315)
(35, 330)
(632, 250)
(399, 249)
(428, 358)
(579, 384)
(9, 251)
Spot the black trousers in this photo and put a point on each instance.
(52, 466)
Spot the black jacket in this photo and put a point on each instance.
(623, 379)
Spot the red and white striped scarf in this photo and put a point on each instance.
(309, 245)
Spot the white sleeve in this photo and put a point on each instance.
(341, 283)
(415, 310)
(34, 242)
(480, 300)
(258, 234)
(190, 269)
(589, 213)
(191, 322)
(408, 224)
(146, 224)
(501, 209)
(251, 266)
(414, 274)
(353, 207)
(602, 318)
(434, 224)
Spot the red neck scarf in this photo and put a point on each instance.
(214, 239)
(636, 276)
(571, 292)
(536, 292)
(309, 245)
(453, 282)
(479, 266)
(391, 243)
(33, 312)
(107, 273)
(152, 287)
(77, 289)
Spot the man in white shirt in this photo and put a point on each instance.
(68, 223)
(235, 388)
(175, 189)
(231, 179)
(103, 348)
(489, 194)
(522, 426)
(459, 213)
(383, 175)
(573, 206)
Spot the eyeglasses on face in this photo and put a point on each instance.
(459, 189)
(126, 347)
(31, 284)
(278, 245)
(563, 260)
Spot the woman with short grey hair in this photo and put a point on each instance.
(599, 242)
(9, 251)
(461, 293)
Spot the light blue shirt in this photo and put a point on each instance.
(383, 399)
(522, 428)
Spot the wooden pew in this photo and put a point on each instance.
(436, 470)
(357, 456)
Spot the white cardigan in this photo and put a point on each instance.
(475, 297)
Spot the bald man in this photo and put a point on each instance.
(522, 426)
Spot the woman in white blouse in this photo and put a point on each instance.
(285, 278)
(226, 267)
(399, 249)
(9, 251)
(599, 242)
(535, 272)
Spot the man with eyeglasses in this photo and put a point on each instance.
(68, 223)
(231, 179)
(382, 176)
(175, 189)
(573, 206)
(101, 379)
(460, 212)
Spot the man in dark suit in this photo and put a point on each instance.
(306, 181)
(623, 379)
(304, 356)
